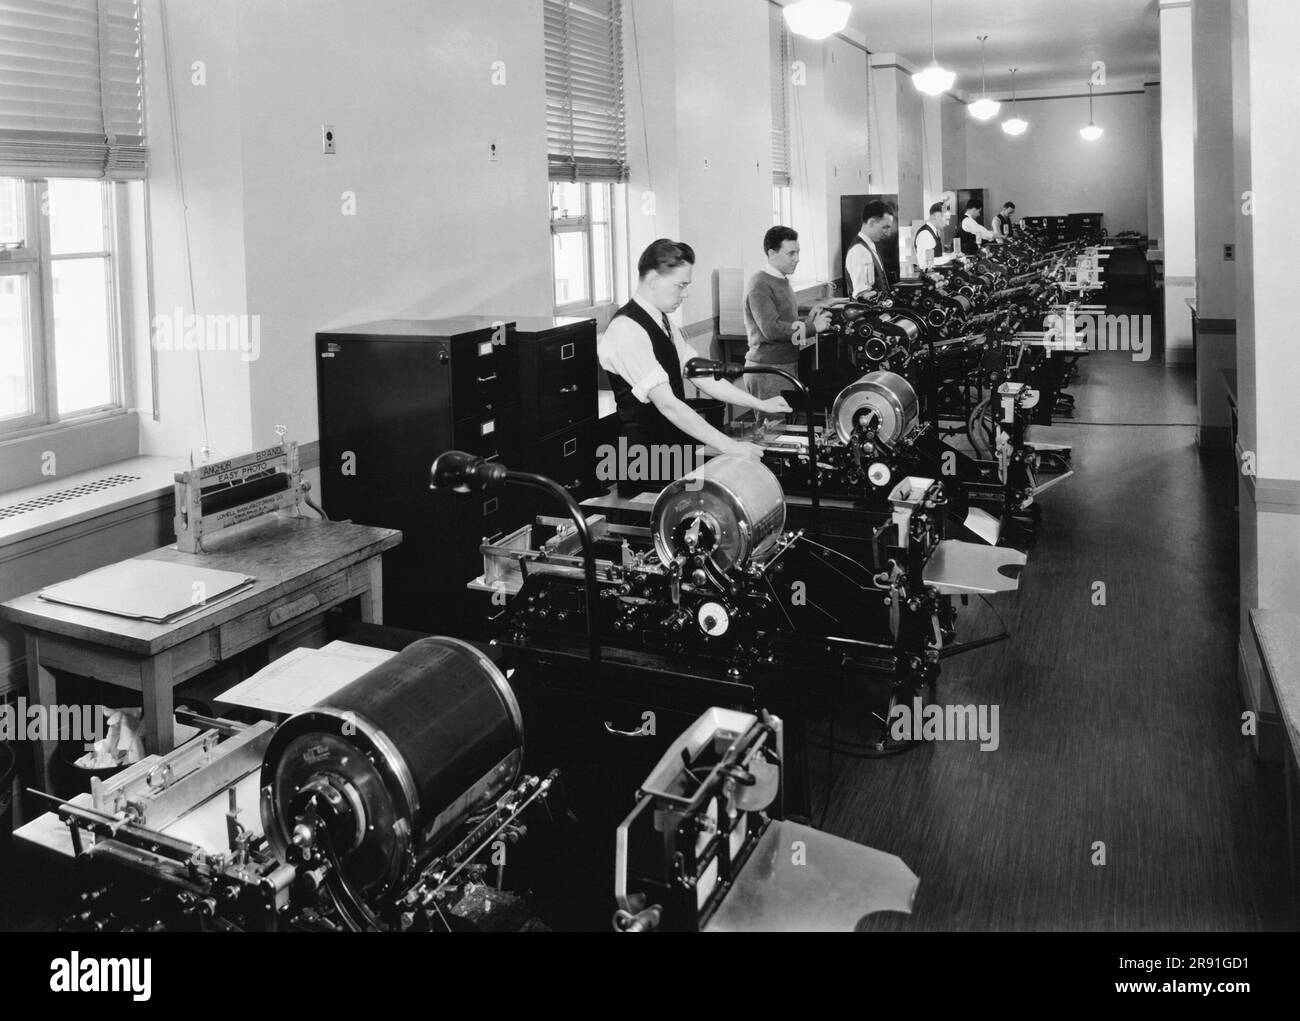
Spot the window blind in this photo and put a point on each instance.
(779, 38)
(71, 89)
(585, 122)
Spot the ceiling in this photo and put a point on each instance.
(1052, 42)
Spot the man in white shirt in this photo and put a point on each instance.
(973, 233)
(644, 355)
(929, 236)
(865, 277)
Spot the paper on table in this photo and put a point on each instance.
(154, 590)
(303, 677)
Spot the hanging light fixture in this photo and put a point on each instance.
(817, 19)
(1015, 124)
(933, 80)
(984, 109)
(1091, 132)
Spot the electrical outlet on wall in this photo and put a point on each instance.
(494, 155)
(327, 139)
(1229, 253)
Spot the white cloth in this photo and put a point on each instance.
(861, 267)
(773, 271)
(626, 350)
(925, 246)
(973, 226)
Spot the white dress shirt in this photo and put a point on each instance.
(861, 267)
(925, 245)
(627, 351)
(973, 226)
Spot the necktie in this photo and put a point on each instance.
(668, 328)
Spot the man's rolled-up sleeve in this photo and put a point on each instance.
(626, 351)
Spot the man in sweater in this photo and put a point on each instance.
(776, 333)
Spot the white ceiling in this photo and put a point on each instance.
(1052, 42)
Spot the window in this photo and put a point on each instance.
(71, 130)
(586, 148)
(583, 226)
(61, 352)
(779, 63)
(781, 205)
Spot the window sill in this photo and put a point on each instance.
(51, 454)
(24, 533)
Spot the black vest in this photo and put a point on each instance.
(642, 423)
(938, 241)
(969, 242)
(882, 275)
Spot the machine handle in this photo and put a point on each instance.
(611, 729)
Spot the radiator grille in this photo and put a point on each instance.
(63, 495)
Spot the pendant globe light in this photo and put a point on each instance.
(817, 19)
(933, 80)
(1015, 124)
(1091, 132)
(984, 109)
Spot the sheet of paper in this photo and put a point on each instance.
(153, 590)
(303, 677)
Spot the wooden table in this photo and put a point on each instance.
(301, 566)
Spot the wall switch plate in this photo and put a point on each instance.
(1229, 253)
(327, 139)
(493, 155)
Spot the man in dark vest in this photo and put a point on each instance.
(643, 353)
(928, 240)
(1002, 222)
(973, 233)
(864, 272)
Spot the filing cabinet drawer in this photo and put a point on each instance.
(568, 457)
(488, 434)
(484, 373)
(557, 378)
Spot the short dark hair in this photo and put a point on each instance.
(875, 209)
(974, 204)
(776, 237)
(1008, 205)
(936, 207)
(663, 255)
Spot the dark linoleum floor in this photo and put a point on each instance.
(1118, 724)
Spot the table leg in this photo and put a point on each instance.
(41, 689)
(372, 600)
(156, 682)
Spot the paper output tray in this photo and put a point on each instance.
(802, 880)
(957, 567)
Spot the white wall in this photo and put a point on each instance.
(437, 230)
(1050, 170)
(1177, 127)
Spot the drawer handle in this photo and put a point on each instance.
(570, 447)
(611, 729)
(575, 484)
(486, 379)
(297, 608)
(489, 506)
(570, 389)
(567, 351)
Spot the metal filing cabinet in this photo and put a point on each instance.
(558, 403)
(392, 396)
